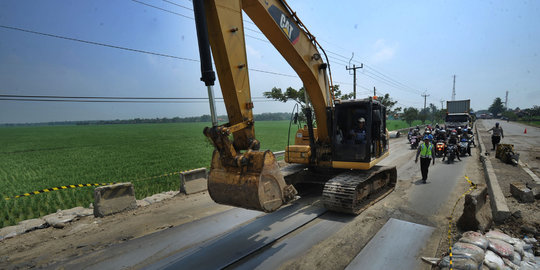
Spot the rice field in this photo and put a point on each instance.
(34, 158)
(39, 157)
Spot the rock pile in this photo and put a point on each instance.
(494, 250)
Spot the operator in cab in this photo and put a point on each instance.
(359, 132)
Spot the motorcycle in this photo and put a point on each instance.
(439, 148)
(414, 141)
(451, 150)
(464, 147)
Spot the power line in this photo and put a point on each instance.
(131, 49)
(178, 5)
(117, 101)
(103, 97)
(162, 9)
(99, 44)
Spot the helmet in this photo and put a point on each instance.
(361, 120)
(459, 128)
(464, 130)
(428, 131)
(497, 124)
(443, 131)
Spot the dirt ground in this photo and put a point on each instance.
(525, 219)
(44, 247)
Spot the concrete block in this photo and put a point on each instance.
(535, 189)
(33, 224)
(521, 192)
(476, 211)
(113, 199)
(499, 207)
(194, 181)
(58, 220)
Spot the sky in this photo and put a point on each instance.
(408, 48)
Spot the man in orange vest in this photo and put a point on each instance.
(426, 151)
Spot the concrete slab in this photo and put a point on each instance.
(194, 181)
(499, 207)
(395, 246)
(476, 212)
(113, 199)
(521, 192)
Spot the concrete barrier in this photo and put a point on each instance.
(499, 208)
(476, 212)
(194, 181)
(521, 192)
(114, 199)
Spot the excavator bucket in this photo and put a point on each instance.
(258, 186)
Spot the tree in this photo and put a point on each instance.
(433, 113)
(299, 95)
(410, 114)
(339, 95)
(389, 103)
(423, 115)
(497, 107)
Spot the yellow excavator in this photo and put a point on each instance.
(241, 175)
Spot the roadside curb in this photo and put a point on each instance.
(499, 208)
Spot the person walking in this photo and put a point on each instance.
(496, 136)
(426, 151)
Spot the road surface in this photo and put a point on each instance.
(304, 234)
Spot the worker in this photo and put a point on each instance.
(496, 136)
(359, 132)
(426, 151)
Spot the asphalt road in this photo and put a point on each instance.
(245, 239)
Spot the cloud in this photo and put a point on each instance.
(382, 51)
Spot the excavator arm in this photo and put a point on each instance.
(240, 175)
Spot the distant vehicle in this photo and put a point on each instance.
(458, 114)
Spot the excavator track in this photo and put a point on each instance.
(353, 191)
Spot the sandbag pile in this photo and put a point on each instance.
(494, 250)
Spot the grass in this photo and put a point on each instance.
(399, 124)
(534, 123)
(34, 158)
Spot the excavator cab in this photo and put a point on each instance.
(373, 142)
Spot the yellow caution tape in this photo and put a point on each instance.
(89, 185)
(450, 219)
(56, 188)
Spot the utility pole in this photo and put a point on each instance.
(506, 101)
(454, 89)
(374, 91)
(425, 97)
(442, 107)
(353, 68)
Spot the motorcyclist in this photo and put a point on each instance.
(441, 135)
(459, 131)
(453, 139)
(428, 135)
(467, 137)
